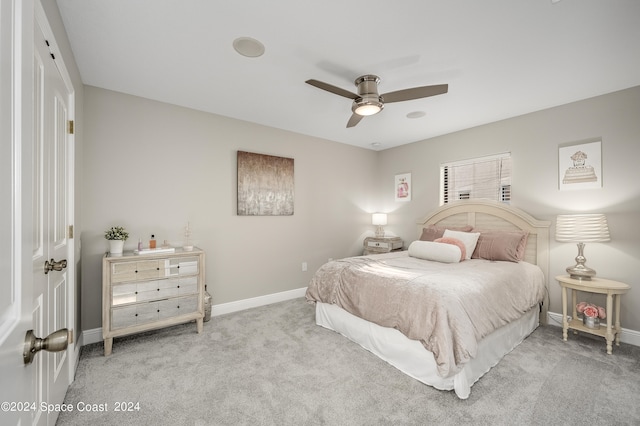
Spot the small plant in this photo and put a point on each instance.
(116, 233)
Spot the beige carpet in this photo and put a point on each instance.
(273, 366)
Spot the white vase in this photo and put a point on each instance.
(116, 246)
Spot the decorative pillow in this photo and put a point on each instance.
(455, 242)
(468, 238)
(432, 232)
(501, 245)
(439, 252)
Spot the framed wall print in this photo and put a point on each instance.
(265, 185)
(580, 165)
(403, 187)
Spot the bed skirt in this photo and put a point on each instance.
(410, 356)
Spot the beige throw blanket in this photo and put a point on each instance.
(448, 307)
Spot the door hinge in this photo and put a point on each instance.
(70, 232)
(70, 127)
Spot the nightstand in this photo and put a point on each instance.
(613, 289)
(376, 245)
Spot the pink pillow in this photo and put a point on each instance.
(455, 242)
(432, 232)
(501, 245)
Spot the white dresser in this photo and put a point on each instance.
(145, 292)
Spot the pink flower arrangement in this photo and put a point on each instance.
(591, 310)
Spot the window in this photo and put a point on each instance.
(484, 177)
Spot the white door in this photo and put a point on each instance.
(35, 160)
(15, 189)
(50, 243)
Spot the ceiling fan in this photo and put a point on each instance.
(368, 102)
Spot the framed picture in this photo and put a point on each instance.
(403, 187)
(265, 185)
(580, 165)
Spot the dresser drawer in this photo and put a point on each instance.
(178, 306)
(135, 271)
(133, 315)
(122, 294)
(143, 313)
(378, 244)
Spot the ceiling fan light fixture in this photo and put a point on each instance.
(367, 107)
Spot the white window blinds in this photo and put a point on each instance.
(484, 177)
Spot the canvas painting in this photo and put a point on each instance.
(580, 166)
(265, 185)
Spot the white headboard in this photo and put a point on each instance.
(487, 215)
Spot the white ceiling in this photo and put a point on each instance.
(501, 58)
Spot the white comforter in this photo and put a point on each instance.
(448, 307)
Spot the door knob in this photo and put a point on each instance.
(52, 265)
(55, 342)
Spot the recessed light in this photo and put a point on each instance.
(376, 144)
(416, 114)
(249, 47)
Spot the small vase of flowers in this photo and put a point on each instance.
(591, 314)
(116, 236)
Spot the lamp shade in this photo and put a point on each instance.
(379, 219)
(582, 228)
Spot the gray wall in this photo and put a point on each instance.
(533, 141)
(151, 167)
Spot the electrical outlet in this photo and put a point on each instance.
(304, 266)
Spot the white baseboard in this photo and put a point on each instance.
(91, 336)
(254, 302)
(631, 337)
(95, 335)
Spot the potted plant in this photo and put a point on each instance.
(116, 236)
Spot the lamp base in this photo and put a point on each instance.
(379, 231)
(581, 272)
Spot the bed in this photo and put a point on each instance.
(444, 320)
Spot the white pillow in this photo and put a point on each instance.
(470, 239)
(439, 252)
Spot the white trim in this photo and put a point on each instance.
(90, 336)
(631, 337)
(241, 305)
(95, 335)
(476, 159)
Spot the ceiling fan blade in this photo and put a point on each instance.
(332, 89)
(355, 119)
(415, 93)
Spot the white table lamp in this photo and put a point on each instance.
(379, 220)
(580, 229)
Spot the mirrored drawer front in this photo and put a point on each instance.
(153, 311)
(135, 271)
(153, 290)
(178, 306)
(181, 266)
